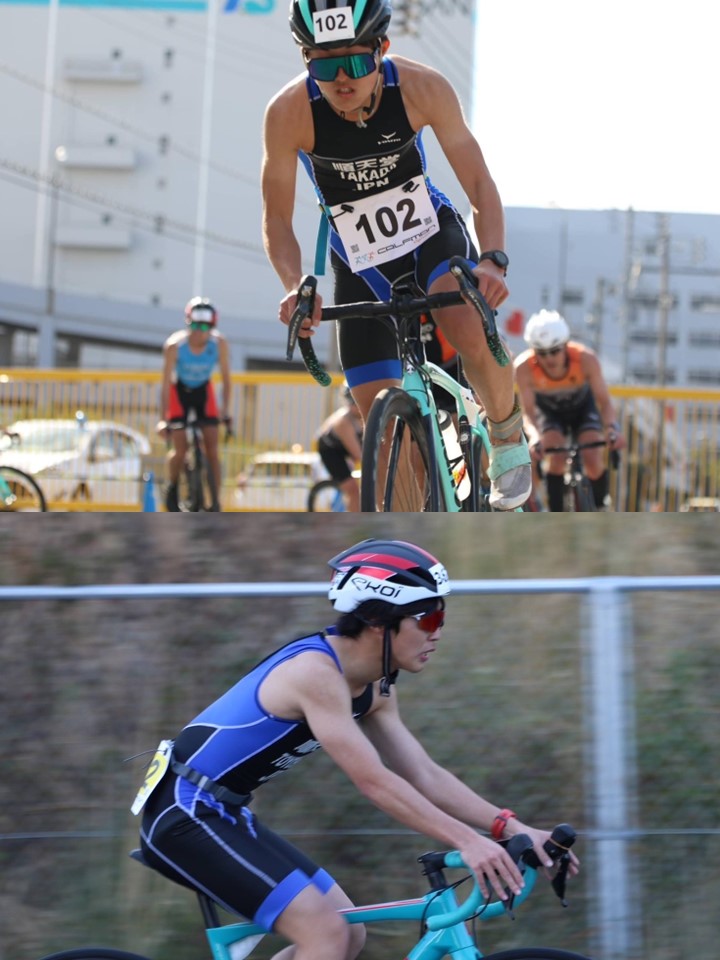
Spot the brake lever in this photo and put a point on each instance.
(467, 282)
(303, 309)
(561, 839)
(559, 881)
(518, 848)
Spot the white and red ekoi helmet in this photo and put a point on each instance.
(394, 571)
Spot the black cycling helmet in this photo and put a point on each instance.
(370, 21)
(200, 310)
(393, 571)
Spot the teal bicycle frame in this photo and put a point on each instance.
(413, 383)
(418, 371)
(7, 497)
(446, 933)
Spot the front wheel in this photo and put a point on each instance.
(535, 953)
(94, 953)
(397, 476)
(25, 494)
(190, 490)
(584, 499)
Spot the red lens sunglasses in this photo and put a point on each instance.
(430, 622)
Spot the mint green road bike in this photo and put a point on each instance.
(443, 919)
(406, 465)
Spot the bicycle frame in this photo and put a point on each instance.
(414, 384)
(236, 941)
(7, 497)
(418, 372)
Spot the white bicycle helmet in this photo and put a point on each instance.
(545, 330)
(391, 570)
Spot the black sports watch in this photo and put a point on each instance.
(498, 257)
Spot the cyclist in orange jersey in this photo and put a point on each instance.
(563, 393)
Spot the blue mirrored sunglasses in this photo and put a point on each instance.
(356, 65)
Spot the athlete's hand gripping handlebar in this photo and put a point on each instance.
(303, 310)
(520, 848)
(467, 281)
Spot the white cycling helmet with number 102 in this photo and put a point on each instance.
(545, 330)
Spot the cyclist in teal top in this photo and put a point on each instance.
(355, 121)
(333, 690)
(189, 357)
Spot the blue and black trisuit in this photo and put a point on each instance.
(198, 828)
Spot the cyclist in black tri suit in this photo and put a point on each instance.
(333, 689)
(355, 121)
(339, 443)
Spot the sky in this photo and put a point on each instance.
(587, 105)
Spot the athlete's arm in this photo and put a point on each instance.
(224, 357)
(404, 754)
(169, 360)
(593, 371)
(435, 103)
(313, 686)
(344, 430)
(526, 394)
(284, 135)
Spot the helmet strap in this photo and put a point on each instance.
(389, 677)
(369, 109)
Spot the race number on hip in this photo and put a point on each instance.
(387, 225)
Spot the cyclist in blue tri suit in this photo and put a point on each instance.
(334, 689)
(189, 357)
(355, 121)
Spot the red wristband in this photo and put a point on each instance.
(500, 822)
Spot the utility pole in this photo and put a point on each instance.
(597, 314)
(664, 298)
(664, 303)
(626, 307)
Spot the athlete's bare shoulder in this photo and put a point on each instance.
(288, 114)
(424, 89)
(175, 339)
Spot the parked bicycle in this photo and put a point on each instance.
(578, 491)
(197, 486)
(409, 463)
(325, 496)
(20, 492)
(444, 931)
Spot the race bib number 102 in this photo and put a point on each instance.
(335, 24)
(387, 225)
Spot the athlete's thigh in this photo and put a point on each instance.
(432, 259)
(312, 915)
(593, 457)
(246, 867)
(364, 342)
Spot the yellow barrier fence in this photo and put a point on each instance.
(672, 459)
(275, 416)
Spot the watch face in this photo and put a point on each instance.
(498, 257)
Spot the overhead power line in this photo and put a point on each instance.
(159, 222)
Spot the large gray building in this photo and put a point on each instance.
(129, 181)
